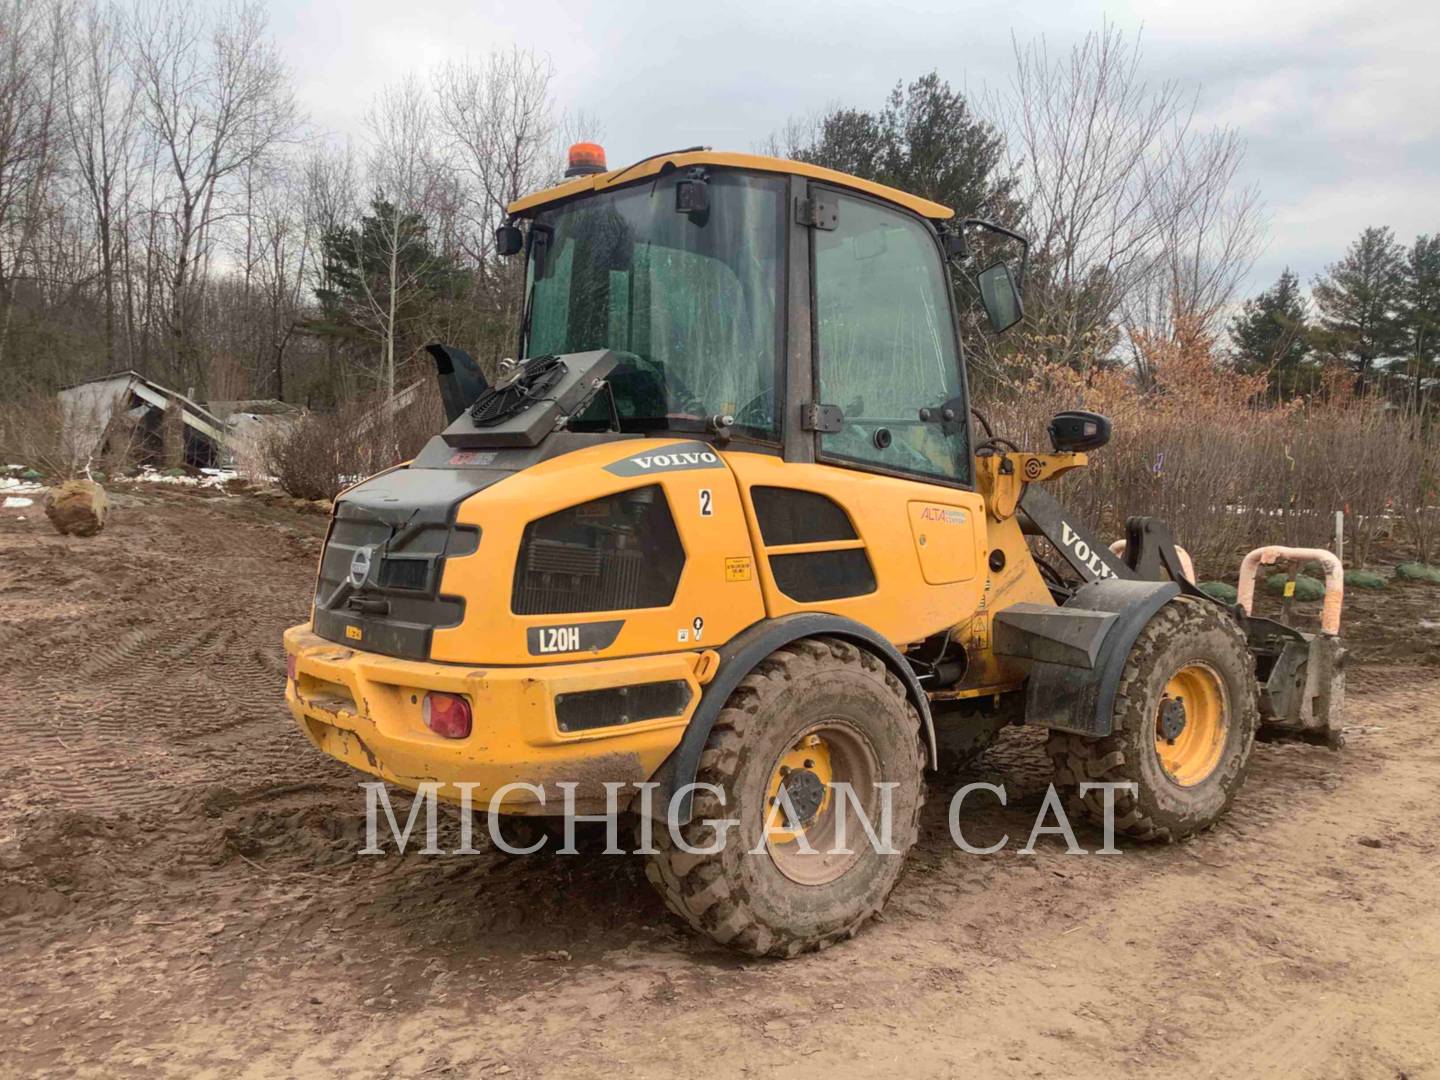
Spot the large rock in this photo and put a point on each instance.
(77, 507)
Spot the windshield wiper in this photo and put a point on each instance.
(687, 150)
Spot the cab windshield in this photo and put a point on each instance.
(691, 301)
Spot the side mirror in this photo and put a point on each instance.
(1078, 430)
(509, 240)
(1000, 297)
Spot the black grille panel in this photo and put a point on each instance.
(397, 604)
(608, 554)
(791, 516)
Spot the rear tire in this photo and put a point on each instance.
(1186, 758)
(819, 704)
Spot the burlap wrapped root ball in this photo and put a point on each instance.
(77, 507)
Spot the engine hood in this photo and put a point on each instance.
(419, 558)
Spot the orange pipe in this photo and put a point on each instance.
(1334, 579)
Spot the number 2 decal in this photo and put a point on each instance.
(706, 509)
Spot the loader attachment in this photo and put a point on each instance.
(1301, 675)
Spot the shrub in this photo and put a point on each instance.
(323, 453)
(1418, 572)
(1364, 579)
(1306, 588)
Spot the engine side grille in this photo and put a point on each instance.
(609, 554)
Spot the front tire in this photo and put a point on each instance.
(813, 713)
(1185, 719)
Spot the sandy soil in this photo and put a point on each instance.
(180, 891)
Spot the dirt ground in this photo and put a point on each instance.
(180, 891)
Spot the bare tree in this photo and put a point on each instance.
(102, 110)
(406, 178)
(499, 119)
(1210, 230)
(33, 54)
(217, 99)
(1134, 215)
(284, 248)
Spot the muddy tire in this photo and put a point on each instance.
(1186, 758)
(814, 708)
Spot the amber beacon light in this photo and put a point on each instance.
(586, 158)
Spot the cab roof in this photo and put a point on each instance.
(581, 185)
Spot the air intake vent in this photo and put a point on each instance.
(823, 575)
(608, 554)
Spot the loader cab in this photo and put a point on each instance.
(781, 307)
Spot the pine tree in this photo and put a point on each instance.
(1420, 315)
(1359, 299)
(385, 283)
(924, 140)
(1270, 335)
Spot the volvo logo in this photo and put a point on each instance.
(360, 565)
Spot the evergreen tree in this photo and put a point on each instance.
(1270, 335)
(924, 140)
(1359, 299)
(1420, 314)
(385, 283)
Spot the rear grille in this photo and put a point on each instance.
(558, 557)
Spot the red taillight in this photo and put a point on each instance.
(290, 669)
(447, 715)
(586, 158)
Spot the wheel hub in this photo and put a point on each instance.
(805, 792)
(1172, 718)
(802, 810)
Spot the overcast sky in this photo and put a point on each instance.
(1339, 102)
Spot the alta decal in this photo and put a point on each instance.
(943, 514)
(679, 457)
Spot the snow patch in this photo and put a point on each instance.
(13, 485)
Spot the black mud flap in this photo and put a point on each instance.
(1078, 651)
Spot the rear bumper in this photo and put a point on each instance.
(365, 710)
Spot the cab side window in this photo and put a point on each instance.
(885, 344)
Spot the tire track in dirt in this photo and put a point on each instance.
(172, 642)
(180, 890)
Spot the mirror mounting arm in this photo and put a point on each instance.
(1000, 230)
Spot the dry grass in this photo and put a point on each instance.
(1227, 473)
(33, 433)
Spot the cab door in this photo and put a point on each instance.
(891, 427)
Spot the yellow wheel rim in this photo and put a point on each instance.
(805, 847)
(1191, 724)
(811, 754)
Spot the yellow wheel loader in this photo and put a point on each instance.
(728, 550)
